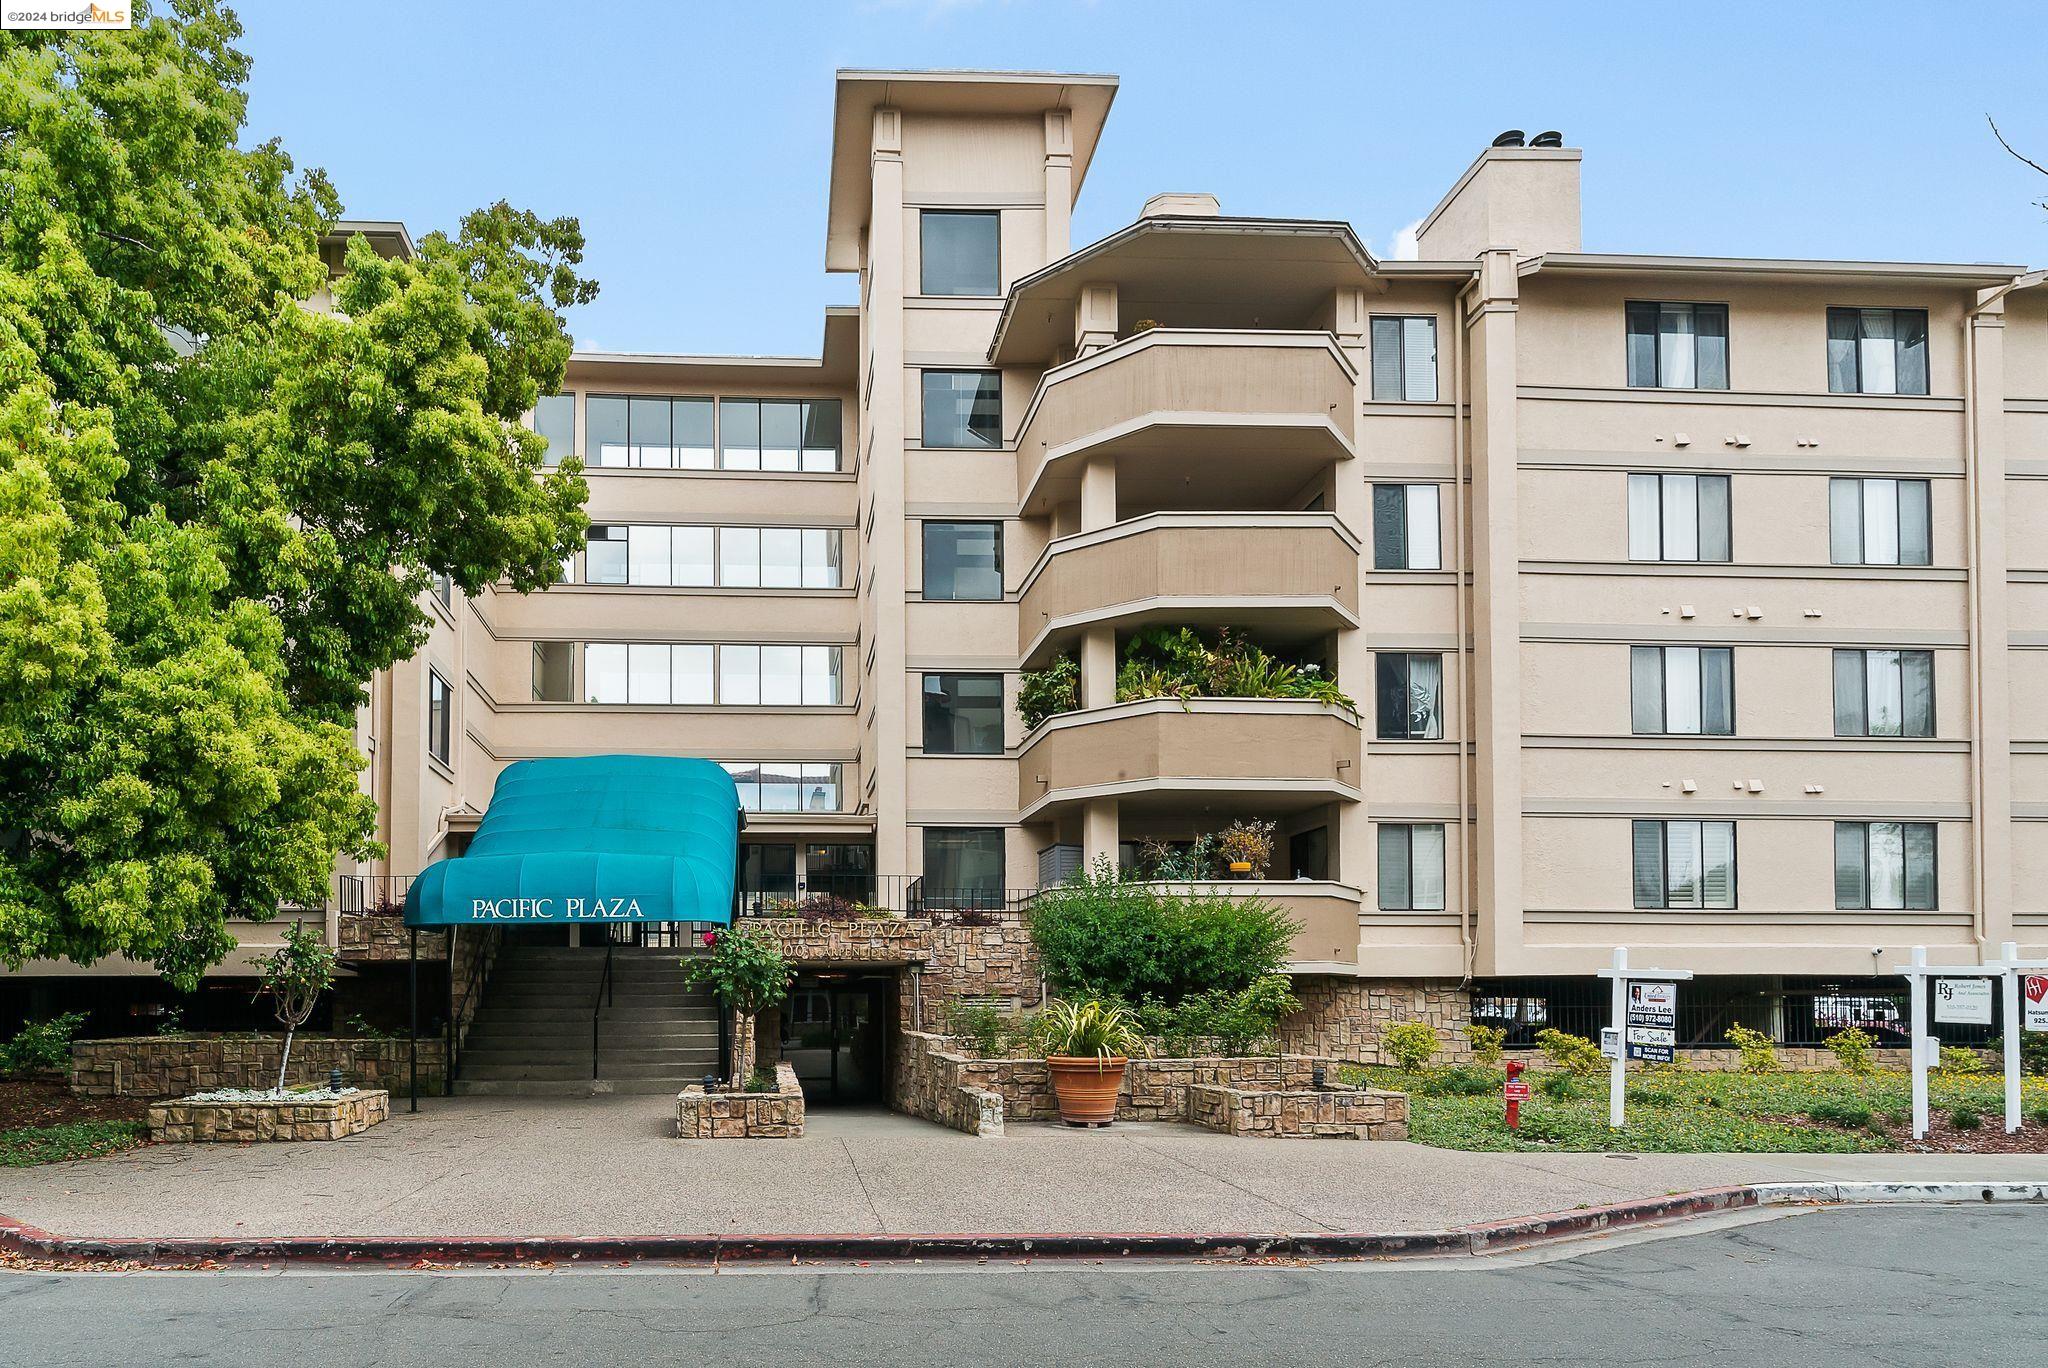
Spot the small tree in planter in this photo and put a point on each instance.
(295, 976)
(745, 970)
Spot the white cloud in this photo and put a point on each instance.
(1406, 247)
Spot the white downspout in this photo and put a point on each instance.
(1468, 910)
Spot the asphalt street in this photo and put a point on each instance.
(1912, 1285)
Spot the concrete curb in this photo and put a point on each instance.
(28, 1242)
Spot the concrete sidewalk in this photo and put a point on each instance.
(513, 1167)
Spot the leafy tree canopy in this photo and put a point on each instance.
(218, 506)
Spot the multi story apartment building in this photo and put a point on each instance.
(1697, 605)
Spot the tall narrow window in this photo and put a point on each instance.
(1682, 690)
(1410, 691)
(963, 714)
(1877, 351)
(647, 554)
(1684, 864)
(649, 433)
(821, 434)
(1678, 518)
(554, 672)
(963, 562)
(963, 409)
(1406, 528)
(554, 417)
(605, 436)
(960, 252)
(604, 672)
(1885, 865)
(782, 434)
(605, 554)
(440, 716)
(1880, 522)
(690, 434)
(1411, 867)
(1884, 693)
(739, 434)
(1677, 346)
(1404, 359)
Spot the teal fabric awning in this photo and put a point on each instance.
(593, 838)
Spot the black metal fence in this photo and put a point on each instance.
(1802, 1012)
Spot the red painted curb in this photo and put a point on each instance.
(27, 1241)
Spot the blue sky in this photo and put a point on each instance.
(692, 139)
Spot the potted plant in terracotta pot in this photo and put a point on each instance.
(1087, 1045)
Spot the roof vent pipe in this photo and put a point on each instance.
(1511, 138)
(1553, 138)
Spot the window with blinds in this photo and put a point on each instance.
(1406, 527)
(1677, 346)
(1411, 867)
(1404, 359)
(1684, 864)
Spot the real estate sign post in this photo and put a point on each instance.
(1645, 1020)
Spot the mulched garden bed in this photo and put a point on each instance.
(48, 1101)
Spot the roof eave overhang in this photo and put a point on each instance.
(1967, 275)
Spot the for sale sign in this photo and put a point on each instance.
(2034, 1002)
(1962, 1001)
(1652, 1028)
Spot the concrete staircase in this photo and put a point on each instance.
(531, 1036)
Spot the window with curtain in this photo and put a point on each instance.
(963, 866)
(963, 714)
(1677, 346)
(1884, 693)
(1410, 696)
(1411, 867)
(1684, 864)
(1880, 521)
(960, 252)
(1877, 351)
(1406, 527)
(1404, 359)
(963, 562)
(1885, 865)
(963, 409)
(554, 417)
(440, 717)
(1682, 690)
(1678, 518)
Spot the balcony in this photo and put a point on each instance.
(1293, 575)
(1164, 754)
(1260, 411)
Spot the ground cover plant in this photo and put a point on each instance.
(41, 1122)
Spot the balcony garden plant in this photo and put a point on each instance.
(1183, 663)
(1087, 1046)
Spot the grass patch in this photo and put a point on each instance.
(72, 1140)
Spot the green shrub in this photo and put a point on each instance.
(1957, 1062)
(41, 1045)
(2038, 1117)
(1560, 1087)
(1759, 1052)
(1545, 1126)
(1048, 692)
(1411, 1045)
(1575, 1055)
(1965, 1118)
(1458, 1080)
(1847, 1112)
(1487, 1042)
(2034, 1052)
(1898, 1116)
(1650, 1095)
(1103, 938)
(1852, 1049)
(981, 1028)
(1235, 1023)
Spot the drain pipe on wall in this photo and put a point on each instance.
(1468, 910)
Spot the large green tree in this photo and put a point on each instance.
(219, 507)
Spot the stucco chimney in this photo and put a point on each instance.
(1526, 198)
(1181, 204)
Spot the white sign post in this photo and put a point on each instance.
(1658, 1002)
(2026, 1006)
(1957, 1003)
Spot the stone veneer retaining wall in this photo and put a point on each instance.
(1344, 1018)
(743, 1116)
(179, 1121)
(381, 936)
(1341, 1113)
(952, 960)
(171, 1066)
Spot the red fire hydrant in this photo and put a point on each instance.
(1515, 1092)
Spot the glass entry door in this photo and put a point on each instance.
(832, 1034)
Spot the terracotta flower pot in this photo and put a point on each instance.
(1086, 1088)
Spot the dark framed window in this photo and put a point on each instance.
(784, 435)
(1884, 693)
(1411, 867)
(1885, 865)
(1681, 690)
(1677, 346)
(1308, 853)
(963, 409)
(1411, 696)
(1678, 518)
(440, 716)
(1684, 864)
(960, 252)
(963, 714)
(647, 432)
(554, 672)
(963, 562)
(1877, 351)
(1407, 529)
(554, 417)
(1880, 521)
(963, 866)
(1404, 359)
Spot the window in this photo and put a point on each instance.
(1404, 359)
(1678, 518)
(651, 432)
(963, 562)
(778, 434)
(554, 672)
(1880, 522)
(1681, 690)
(1405, 528)
(694, 673)
(963, 714)
(963, 865)
(444, 589)
(605, 555)
(1685, 864)
(960, 251)
(1885, 865)
(963, 409)
(648, 432)
(1677, 346)
(554, 417)
(786, 786)
(703, 557)
(1411, 867)
(440, 708)
(1877, 351)
(1308, 853)
(1410, 696)
(1884, 693)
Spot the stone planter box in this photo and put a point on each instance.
(182, 1121)
(1337, 1113)
(777, 1115)
(172, 1066)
